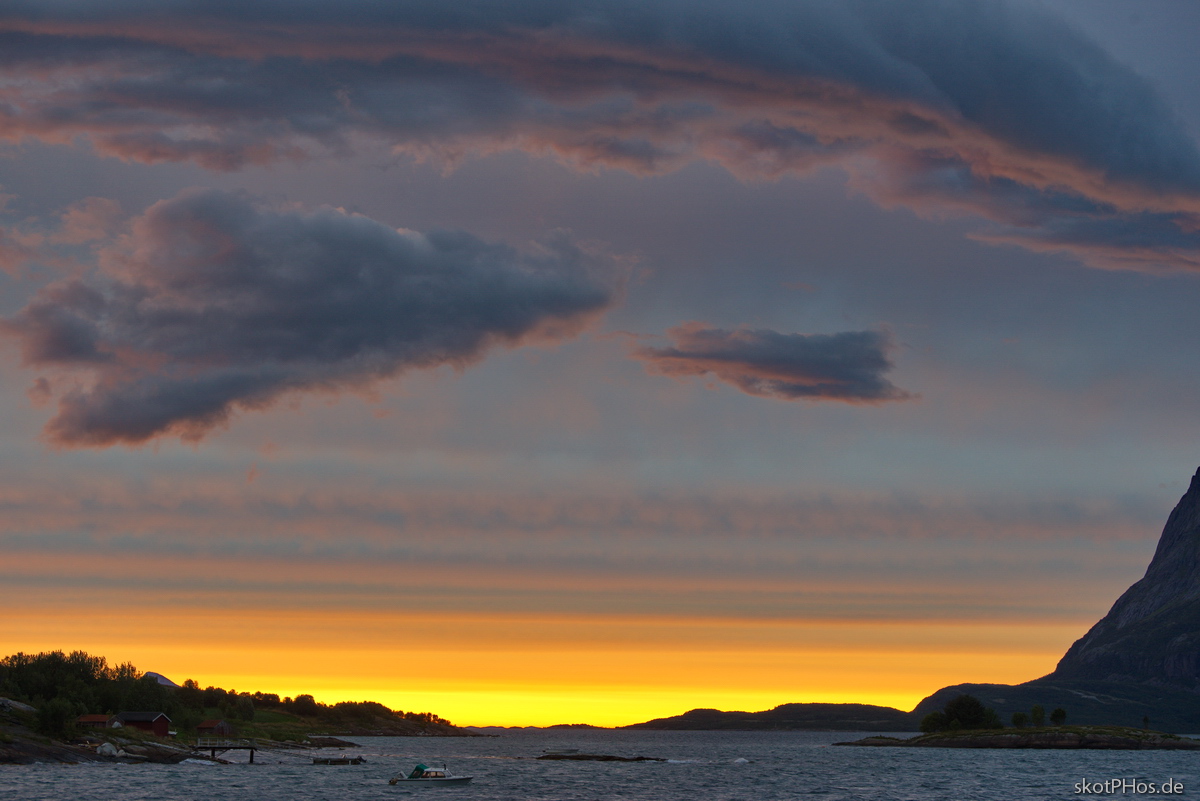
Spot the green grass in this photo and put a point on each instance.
(273, 716)
(268, 724)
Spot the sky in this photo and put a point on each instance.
(570, 361)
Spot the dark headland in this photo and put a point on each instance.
(1139, 665)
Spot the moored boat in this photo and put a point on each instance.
(423, 774)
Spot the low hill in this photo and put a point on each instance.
(809, 717)
(1095, 703)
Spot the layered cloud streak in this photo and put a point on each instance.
(848, 366)
(212, 302)
(982, 108)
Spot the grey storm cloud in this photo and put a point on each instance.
(847, 366)
(213, 302)
(995, 110)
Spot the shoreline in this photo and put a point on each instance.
(1112, 738)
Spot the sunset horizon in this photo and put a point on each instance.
(453, 683)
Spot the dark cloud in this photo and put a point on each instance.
(847, 367)
(213, 302)
(973, 106)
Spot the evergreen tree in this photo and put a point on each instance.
(963, 712)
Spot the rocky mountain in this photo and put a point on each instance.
(1140, 661)
(1152, 633)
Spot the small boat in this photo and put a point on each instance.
(422, 774)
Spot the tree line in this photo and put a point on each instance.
(64, 686)
(968, 712)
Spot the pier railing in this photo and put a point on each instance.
(225, 742)
(215, 744)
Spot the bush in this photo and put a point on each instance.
(934, 721)
(244, 708)
(305, 705)
(964, 712)
(971, 713)
(1038, 716)
(56, 718)
(1020, 719)
(1058, 717)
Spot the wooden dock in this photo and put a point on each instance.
(215, 744)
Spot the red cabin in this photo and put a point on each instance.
(97, 722)
(215, 728)
(156, 722)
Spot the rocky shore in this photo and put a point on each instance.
(21, 745)
(1100, 738)
(28, 749)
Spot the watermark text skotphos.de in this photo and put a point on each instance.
(1124, 786)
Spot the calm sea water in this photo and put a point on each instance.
(702, 767)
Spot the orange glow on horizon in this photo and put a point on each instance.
(514, 670)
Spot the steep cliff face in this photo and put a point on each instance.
(1152, 633)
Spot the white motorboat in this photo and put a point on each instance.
(423, 774)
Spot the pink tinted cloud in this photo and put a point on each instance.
(324, 541)
(976, 108)
(90, 220)
(61, 242)
(15, 254)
